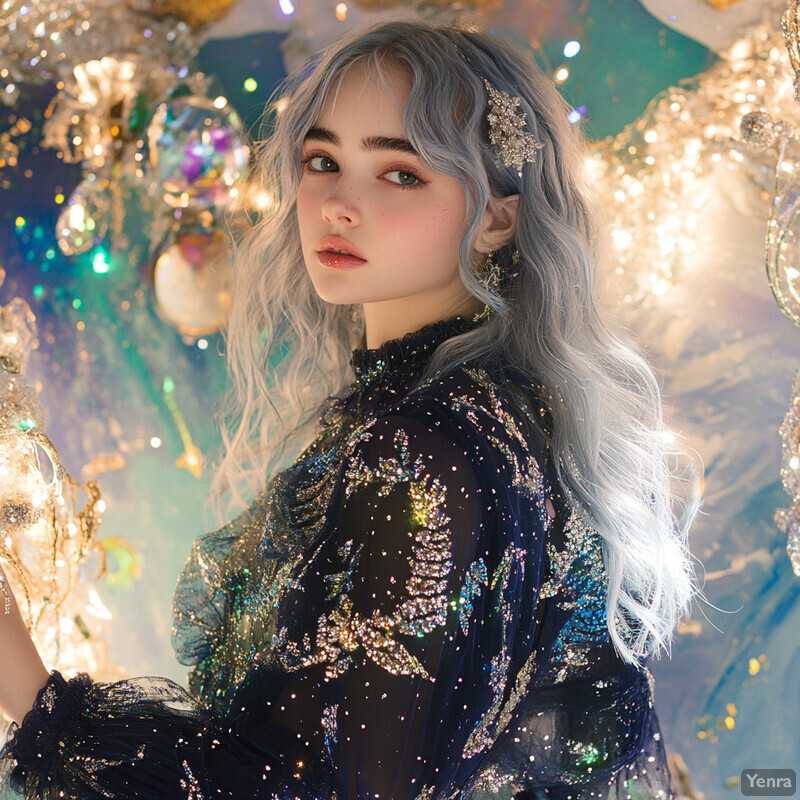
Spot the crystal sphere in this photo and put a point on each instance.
(197, 151)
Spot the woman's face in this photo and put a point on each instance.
(377, 226)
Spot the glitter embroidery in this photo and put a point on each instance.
(330, 724)
(577, 575)
(485, 732)
(191, 784)
(343, 630)
(582, 542)
(526, 474)
(476, 577)
(342, 582)
(497, 718)
(492, 779)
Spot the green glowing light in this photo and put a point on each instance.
(77, 304)
(169, 385)
(27, 424)
(38, 291)
(250, 85)
(100, 263)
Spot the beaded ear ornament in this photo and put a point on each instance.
(513, 145)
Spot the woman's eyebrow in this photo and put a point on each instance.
(388, 143)
(367, 143)
(322, 135)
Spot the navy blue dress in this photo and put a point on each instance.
(397, 618)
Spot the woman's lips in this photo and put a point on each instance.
(338, 253)
(330, 258)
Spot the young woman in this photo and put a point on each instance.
(453, 590)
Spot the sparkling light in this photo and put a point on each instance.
(250, 85)
(341, 12)
(262, 200)
(100, 263)
(96, 607)
(562, 73)
(576, 115)
(571, 49)
(287, 7)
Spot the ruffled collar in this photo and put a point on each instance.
(398, 363)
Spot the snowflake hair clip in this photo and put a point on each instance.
(512, 145)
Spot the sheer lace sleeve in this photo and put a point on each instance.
(87, 741)
(388, 640)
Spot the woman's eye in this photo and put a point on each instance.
(320, 164)
(402, 177)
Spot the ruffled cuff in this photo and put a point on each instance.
(35, 745)
(132, 739)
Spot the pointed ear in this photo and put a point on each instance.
(499, 223)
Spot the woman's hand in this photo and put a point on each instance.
(22, 673)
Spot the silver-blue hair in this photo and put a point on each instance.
(288, 350)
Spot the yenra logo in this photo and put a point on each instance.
(769, 782)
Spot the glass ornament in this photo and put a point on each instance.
(197, 151)
(192, 280)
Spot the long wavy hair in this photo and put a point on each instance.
(288, 350)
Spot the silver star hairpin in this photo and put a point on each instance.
(512, 145)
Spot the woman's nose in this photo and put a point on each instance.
(341, 207)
